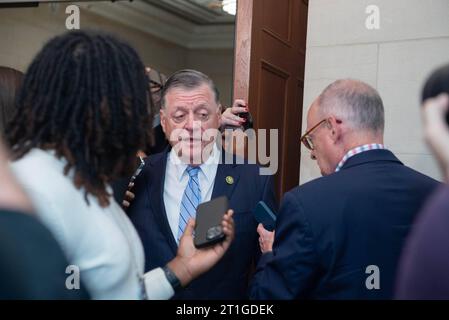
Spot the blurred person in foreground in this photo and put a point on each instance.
(423, 272)
(32, 265)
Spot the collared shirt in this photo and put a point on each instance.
(357, 150)
(176, 179)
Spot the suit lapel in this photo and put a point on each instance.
(157, 199)
(226, 179)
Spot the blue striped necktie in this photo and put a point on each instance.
(190, 200)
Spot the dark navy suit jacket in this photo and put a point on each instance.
(331, 229)
(230, 277)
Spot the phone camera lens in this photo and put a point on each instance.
(213, 232)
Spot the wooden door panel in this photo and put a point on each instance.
(273, 81)
(277, 17)
(272, 35)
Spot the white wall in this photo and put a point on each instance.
(217, 64)
(413, 39)
(23, 32)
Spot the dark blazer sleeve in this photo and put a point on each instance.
(288, 271)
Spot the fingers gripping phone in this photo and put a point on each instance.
(248, 124)
(265, 216)
(208, 229)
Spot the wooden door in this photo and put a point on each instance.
(269, 74)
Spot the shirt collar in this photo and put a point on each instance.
(208, 168)
(357, 150)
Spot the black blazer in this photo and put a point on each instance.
(331, 229)
(32, 265)
(229, 278)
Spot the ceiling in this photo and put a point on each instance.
(193, 24)
(201, 12)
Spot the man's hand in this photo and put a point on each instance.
(436, 129)
(191, 262)
(266, 239)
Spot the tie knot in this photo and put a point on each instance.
(193, 171)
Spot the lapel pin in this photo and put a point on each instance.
(229, 180)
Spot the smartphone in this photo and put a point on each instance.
(248, 124)
(265, 216)
(208, 229)
(138, 170)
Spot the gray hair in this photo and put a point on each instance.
(354, 101)
(188, 79)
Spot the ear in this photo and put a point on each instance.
(163, 119)
(219, 112)
(335, 128)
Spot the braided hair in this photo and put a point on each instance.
(85, 96)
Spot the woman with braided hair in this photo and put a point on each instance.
(82, 114)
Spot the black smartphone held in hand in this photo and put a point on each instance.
(138, 170)
(208, 229)
(265, 216)
(248, 124)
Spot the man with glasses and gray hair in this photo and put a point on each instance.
(340, 236)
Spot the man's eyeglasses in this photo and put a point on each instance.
(306, 139)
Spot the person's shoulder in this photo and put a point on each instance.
(241, 163)
(254, 172)
(12, 221)
(37, 247)
(319, 185)
(421, 176)
(152, 168)
(42, 174)
(152, 162)
(154, 158)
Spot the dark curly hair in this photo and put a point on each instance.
(85, 96)
(10, 81)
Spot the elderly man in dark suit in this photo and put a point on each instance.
(191, 171)
(340, 236)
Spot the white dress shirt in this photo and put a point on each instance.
(176, 179)
(101, 242)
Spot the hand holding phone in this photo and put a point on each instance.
(237, 116)
(208, 229)
(265, 216)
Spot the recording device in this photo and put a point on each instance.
(138, 170)
(265, 216)
(122, 185)
(248, 124)
(208, 229)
